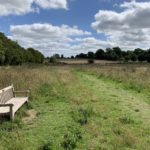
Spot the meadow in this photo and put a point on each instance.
(79, 106)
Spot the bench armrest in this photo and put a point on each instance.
(10, 108)
(25, 92)
(6, 105)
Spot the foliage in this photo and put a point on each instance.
(81, 115)
(71, 138)
(46, 146)
(116, 54)
(53, 59)
(117, 117)
(91, 61)
(11, 53)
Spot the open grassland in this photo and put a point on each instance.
(85, 61)
(82, 107)
(133, 76)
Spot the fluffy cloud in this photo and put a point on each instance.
(90, 44)
(17, 7)
(55, 4)
(20, 7)
(48, 38)
(51, 39)
(129, 28)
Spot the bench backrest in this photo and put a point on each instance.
(6, 94)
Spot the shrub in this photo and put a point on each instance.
(71, 138)
(53, 60)
(91, 61)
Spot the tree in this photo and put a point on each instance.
(57, 56)
(142, 56)
(12, 53)
(111, 55)
(138, 51)
(36, 56)
(2, 54)
(133, 57)
(100, 54)
(2, 57)
(82, 55)
(118, 52)
(148, 58)
(90, 55)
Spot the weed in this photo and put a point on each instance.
(82, 114)
(136, 110)
(29, 105)
(71, 138)
(126, 120)
(46, 146)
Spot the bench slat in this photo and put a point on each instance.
(6, 94)
(17, 102)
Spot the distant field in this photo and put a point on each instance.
(81, 107)
(84, 61)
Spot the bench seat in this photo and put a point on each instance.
(17, 103)
(10, 102)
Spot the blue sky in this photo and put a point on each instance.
(72, 26)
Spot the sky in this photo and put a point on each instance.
(71, 27)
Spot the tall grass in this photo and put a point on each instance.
(75, 110)
(135, 76)
(26, 77)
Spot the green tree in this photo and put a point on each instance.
(100, 54)
(90, 55)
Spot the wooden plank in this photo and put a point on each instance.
(0, 95)
(22, 92)
(7, 88)
(6, 94)
(17, 103)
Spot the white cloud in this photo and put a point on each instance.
(17, 7)
(129, 28)
(55, 4)
(48, 38)
(21, 7)
(51, 39)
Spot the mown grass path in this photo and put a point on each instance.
(114, 118)
(122, 116)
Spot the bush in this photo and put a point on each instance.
(53, 60)
(148, 58)
(91, 61)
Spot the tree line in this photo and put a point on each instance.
(11, 53)
(115, 54)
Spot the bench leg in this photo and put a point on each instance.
(11, 113)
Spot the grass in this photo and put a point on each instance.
(79, 107)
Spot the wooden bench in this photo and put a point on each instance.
(9, 103)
